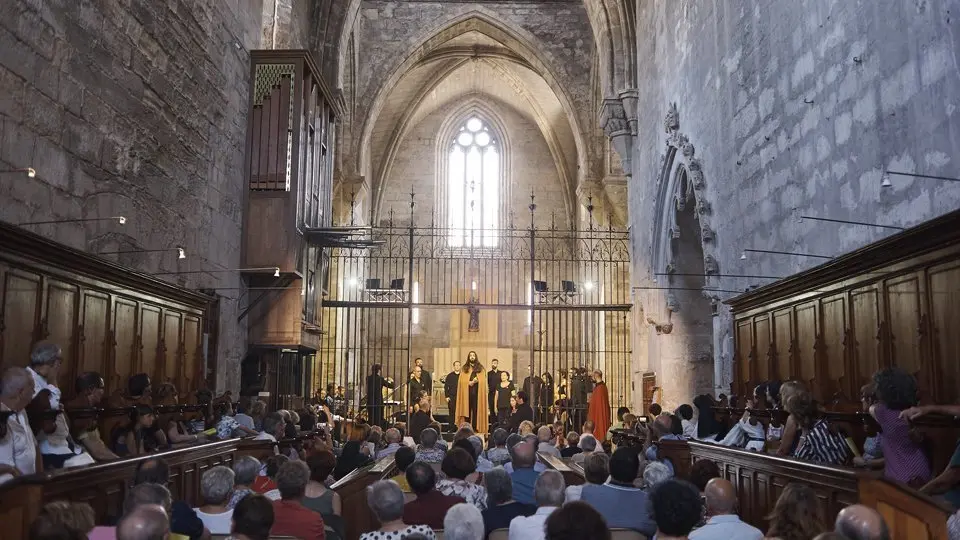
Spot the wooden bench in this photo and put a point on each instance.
(352, 488)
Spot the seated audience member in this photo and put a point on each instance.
(872, 450)
(653, 412)
(420, 420)
(457, 465)
(524, 475)
(463, 522)
(89, 390)
(501, 507)
(402, 458)
(266, 484)
(904, 460)
(576, 521)
(137, 438)
(393, 438)
(216, 486)
(386, 502)
(596, 470)
(830, 535)
(291, 518)
(538, 466)
(859, 522)
(618, 499)
(653, 433)
(797, 514)
(252, 518)
(75, 518)
(175, 425)
(573, 445)
(723, 523)
(526, 428)
(258, 411)
(351, 458)
(430, 505)
(139, 495)
(272, 427)
(498, 455)
(245, 472)
(428, 450)
(18, 446)
(685, 413)
(547, 446)
(183, 519)
(790, 437)
(947, 483)
(227, 426)
(654, 473)
(709, 429)
(588, 445)
(748, 432)
(374, 441)
(548, 495)
(702, 472)
(318, 497)
(818, 443)
(588, 429)
(675, 506)
(146, 522)
(442, 444)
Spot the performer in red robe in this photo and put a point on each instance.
(599, 411)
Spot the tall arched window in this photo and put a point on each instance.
(473, 186)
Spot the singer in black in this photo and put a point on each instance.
(426, 377)
(450, 383)
(375, 386)
(493, 379)
(418, 387)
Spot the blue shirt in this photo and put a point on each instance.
(523, 481)
(623, 507)
(726, 527)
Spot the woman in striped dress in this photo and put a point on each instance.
(818, 443)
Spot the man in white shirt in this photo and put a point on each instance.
(587, 430)
(18, 447)
(548, 494)
(273, 427)
(392, 436)
(723, 522)
(45, 361)
(546, 446)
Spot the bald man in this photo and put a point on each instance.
(524, 475)
(858, 522)
(723, 523)
(145, 522)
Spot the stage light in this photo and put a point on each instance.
(353, 282)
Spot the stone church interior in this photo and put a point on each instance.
(296, 268)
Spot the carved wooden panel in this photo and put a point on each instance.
(744, 353)
(126, 348)
(149, 340)
(944, 297)
(20, 315)
(904, 312)
(834, 312)
(60, 316)
(761, 328)
(865, 304)
(171, 348)
(192, 354)
(783, 341)
(94, 329)
(808, 331)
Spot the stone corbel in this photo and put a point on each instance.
(629, 99)
(615, 124)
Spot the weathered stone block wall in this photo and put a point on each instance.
(794, 108)
(287, 24)
(532, 169)
(135, 109)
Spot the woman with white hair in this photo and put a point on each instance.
(654, 473)
(386, 502)
(18, 447)
(216, 487)
(463, 522)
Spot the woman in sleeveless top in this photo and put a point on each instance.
(137, 437)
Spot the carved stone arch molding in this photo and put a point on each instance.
(681, 182)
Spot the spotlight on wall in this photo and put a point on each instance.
(29, 171)
(353, 282)
(588, 285)
(885, 179)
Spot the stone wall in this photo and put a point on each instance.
(287, 24)
(531, 169)
(793, 108)
(135, 109)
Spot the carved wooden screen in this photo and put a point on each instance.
(896, 302)
(105, 318)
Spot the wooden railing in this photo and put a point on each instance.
(572, 473)
(908, 513)
(761, 478)
(353, 496)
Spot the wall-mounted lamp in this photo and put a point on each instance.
(274, 269)
(885, 179)
(743, 255)
(119, 219)
(848, 222)
(181, 254)
(29, 171)
(588, 285)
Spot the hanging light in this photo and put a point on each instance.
(743, 255)
(181, 254)
(885, 180)
(276, 272)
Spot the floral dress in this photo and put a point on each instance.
(472, 493)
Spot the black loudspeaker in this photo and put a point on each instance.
(373, 283)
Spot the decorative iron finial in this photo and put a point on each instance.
(353, 206)
(590, 209)
(533, 206)
(412, 204)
